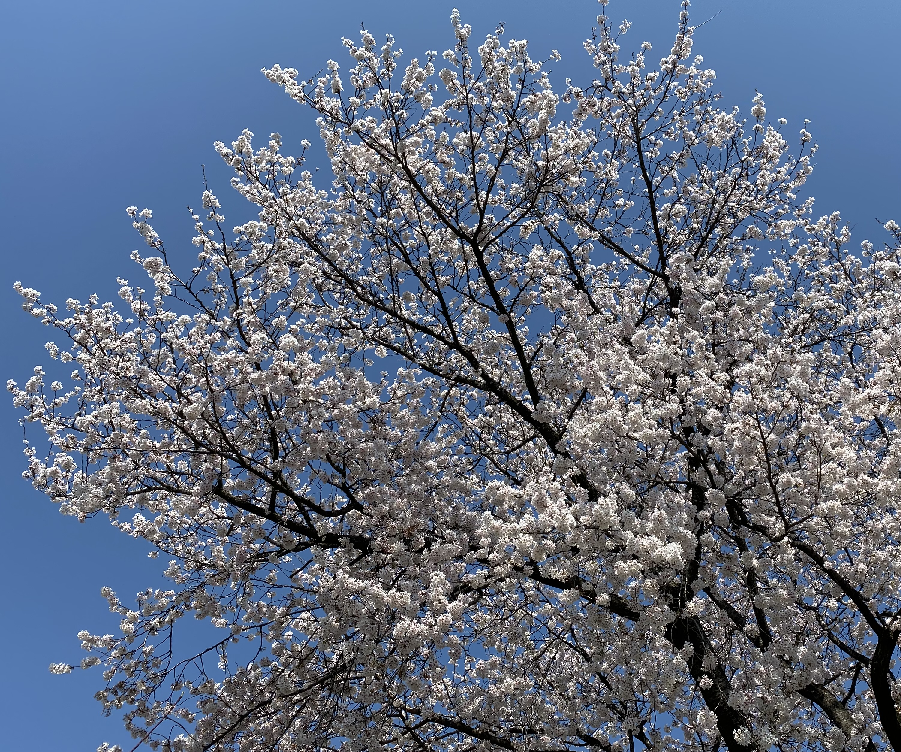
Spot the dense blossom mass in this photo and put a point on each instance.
(557, 422)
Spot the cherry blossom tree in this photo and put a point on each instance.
(557, 422)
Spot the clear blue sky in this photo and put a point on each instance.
(107, 104)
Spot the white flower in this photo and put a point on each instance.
(743, 735)
(758, 110)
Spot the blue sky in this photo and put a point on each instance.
(108, 104)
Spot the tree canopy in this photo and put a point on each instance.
(557, 421)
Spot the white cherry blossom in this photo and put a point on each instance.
(557, 421)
